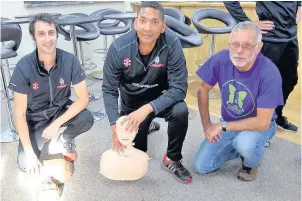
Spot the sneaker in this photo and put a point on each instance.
(60, 145)
(179, 172)
(154, 126)
(71, 157)
(69, 147)
(267, 144)
(284, 124)
(69, 151)
(247, 174)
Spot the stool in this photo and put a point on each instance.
(8, 45)
(109, 29)
(177, 14)
(187, 36)
(12, 33)
(210, 13)
(88, 32)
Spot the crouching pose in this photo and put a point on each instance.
(250, 86)
(43, 111)
(148, 67)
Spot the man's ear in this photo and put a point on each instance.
(135, 23)
(260, 45)
(32, 37)
(164, 27)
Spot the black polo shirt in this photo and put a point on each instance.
(48, 92)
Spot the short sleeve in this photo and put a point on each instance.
(207, 71)
(19, 82)
(78, 74)
(270, 91)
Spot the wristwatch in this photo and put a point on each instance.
(224, 125)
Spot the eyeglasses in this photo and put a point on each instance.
(246, 46)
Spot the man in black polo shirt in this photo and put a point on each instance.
(148, 66)
(41, 83)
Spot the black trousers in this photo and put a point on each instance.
(285, 56)
(76, 126)
(177, 118)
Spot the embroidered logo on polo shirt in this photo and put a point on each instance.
(35, 86)
(62, 85)
(156, 63)
(127, 62)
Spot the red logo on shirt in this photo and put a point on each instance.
(127, 62)
(35, 86)
(156, 63)
(62, 84)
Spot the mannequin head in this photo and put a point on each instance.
(125, 137)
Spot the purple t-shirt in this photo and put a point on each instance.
(243, 92)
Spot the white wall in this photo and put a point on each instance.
(9, 9)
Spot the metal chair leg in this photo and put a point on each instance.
(10, 134)
(92, 97)
(99, 74)
(214, 93)
(74, 42)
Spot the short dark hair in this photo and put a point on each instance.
(152, 4)
(44, 17)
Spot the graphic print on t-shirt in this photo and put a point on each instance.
(237, 99)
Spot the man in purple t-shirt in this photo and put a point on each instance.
(250, 86)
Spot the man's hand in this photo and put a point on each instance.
(33, 165)
(298, 16)
(116, 145)
(135, 118)
(51, 131)
(213, 133)
(265, 26)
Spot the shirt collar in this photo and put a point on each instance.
(40, 64)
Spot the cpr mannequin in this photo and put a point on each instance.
(55, 165)
(54, 172)
(128, 166)
(58, 168)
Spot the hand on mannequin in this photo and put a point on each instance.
(134, 119)
(116, 145)
(33, 165)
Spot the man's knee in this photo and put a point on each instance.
(201, 168)
(204, 162)
(180, 111)
(248, 143)
(87, 120)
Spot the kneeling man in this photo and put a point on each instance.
(41, 83)
(250, 86)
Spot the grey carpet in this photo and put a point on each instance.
(279, 176)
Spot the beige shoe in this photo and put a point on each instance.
(247, 174)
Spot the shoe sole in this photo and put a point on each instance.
(287, 129)
(175, 177)
(243, 179)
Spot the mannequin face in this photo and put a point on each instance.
(123, 136)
